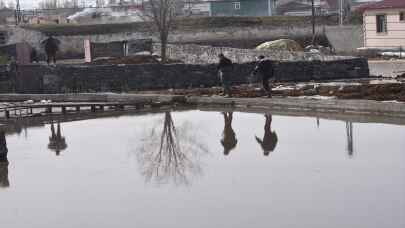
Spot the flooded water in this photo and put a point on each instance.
(203, 169)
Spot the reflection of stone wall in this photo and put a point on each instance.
(156, 76)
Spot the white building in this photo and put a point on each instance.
(384, 24)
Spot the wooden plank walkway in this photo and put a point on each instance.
(26, 109)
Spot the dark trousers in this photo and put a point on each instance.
(225, 80)
(51, 57)
(266, 85)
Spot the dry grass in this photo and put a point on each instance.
(181, 24)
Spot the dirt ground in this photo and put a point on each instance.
(377, 89)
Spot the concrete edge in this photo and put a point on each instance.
(366, 107)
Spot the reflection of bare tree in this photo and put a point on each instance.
(270, 139)
(4, 182)
(349, 135)
(57, 142)
(228, 140)
(172, 156)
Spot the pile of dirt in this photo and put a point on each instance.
(281, 45)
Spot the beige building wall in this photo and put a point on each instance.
(395, 36)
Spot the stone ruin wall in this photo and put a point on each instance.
(198, 54)
(72, 45)
(124, 78)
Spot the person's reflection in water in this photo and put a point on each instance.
(57, 142)
(270, 139)
(229, 140)
(4, 182)
(349, 135)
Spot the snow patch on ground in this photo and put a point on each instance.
(318, 97)
(383, 81)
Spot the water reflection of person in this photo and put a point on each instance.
(229, 140)
(4, 182)
(349, 135)
(57, 142)
(270, 139)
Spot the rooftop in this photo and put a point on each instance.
(386, 4)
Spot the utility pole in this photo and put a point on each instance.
(341, 12)
(313, 22)
(17, 12)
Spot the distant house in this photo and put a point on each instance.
(297, 7)
(48, 16)
(7, 16)
(384, 24)
(304, 7)
(242, 8)
(197, 8)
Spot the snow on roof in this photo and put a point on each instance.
(386, 4)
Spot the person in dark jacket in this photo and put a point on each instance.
(228, 140)
(270, 139)
(265, 69)
(34, 56)
(225, 68)
(51, 46)
(4, 181)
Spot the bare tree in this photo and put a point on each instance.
(11, 4)
(48, 4)
(2, 4)
(55, 4)
(70, 4)
(172, 156)
(75, 3)
(162, 13)
(100, 3)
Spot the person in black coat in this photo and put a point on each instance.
(225, 68)
(4, 182)
(265, 69)
(51, 46)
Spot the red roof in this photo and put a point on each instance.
(386, 4)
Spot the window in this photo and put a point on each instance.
(381, 23)
(236, 5)
(3, 37)
(402, 16)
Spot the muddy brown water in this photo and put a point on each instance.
(204, 169)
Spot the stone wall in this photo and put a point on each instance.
(345, 39)
(117, 78)
(198, 54)
(243, 37)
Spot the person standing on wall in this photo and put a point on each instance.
(225, 68)
(265, 69)
(51, 46)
